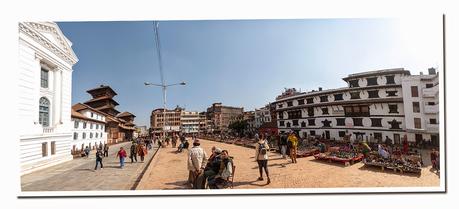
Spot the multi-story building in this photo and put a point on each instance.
(373, 105)
(88, 128)
(266, 120)
(221, 116)
(262, 116)
(205, 123)
(249, 117)
(120, 126)
(44, 80)
(420, 100)
(190, 122)
(173, 121)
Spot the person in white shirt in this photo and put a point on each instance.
(261, 156)
(197, 160)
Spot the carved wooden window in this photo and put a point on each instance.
(373, 94)
(372, 81)
(338, 97)
(376, 122)
(340, 122)
(354, 83)
(390, 79)
(357, 121)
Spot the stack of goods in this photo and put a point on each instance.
(404, 163)
(307, 151)
(342, 155)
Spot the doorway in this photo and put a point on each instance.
(418, 138)
(396, 138)
(327, 134)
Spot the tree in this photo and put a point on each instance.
(238, 126)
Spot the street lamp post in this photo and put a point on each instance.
(164, 88)
(163, 84)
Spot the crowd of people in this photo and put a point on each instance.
(215, 171)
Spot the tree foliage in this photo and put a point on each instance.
(238, 126)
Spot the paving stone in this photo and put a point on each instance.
(79, 174)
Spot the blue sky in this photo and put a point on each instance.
(244, 63)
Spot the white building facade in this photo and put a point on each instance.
(421, 104)
(88, 128)
(44, 98)
(262, 116)
(190, 122)
(372, 107)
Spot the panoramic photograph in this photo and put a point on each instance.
(335, 105)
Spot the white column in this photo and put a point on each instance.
(55, 104)
(61, 81)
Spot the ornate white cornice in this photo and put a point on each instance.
(64, 51)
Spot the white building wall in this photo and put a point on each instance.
(377, 110)
(32, 134)
(80, 142)
(189, 122)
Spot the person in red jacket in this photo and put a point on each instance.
(142, 151)
(405, 145)
(121, 154)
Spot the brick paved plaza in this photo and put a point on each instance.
(79, 174)
(168, 171)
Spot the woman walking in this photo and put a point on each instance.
(121, 154)
(142, 151)
(261, 155)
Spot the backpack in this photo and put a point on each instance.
(262, 149)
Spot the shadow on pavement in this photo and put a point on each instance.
(85, 169)
(241, 183)
(180, 184)
(435, 171)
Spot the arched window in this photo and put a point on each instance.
(44, 112)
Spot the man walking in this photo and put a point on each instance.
(197, 160)
(99, 156)
(121, 154)
(283, 145)
(261, 156)
(133, 152)
(86, 151)
(106, 150)
(294, 146)
(174, 141)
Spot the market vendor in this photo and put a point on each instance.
(365, 148)
(382, 152)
